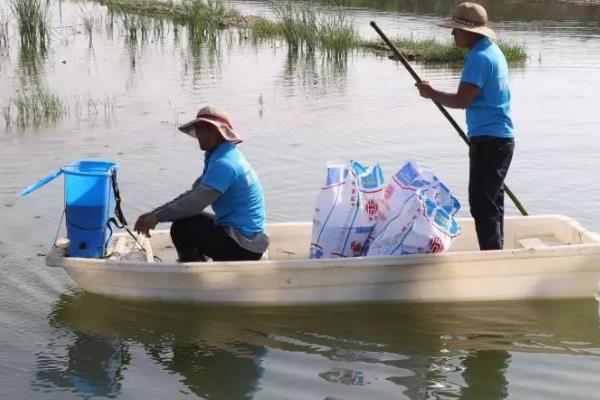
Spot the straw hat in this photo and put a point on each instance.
(217, 118)
(470, 17)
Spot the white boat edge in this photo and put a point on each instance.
(547, 256)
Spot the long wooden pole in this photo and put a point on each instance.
(461, 133)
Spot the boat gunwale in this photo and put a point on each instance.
(56, 259)
(59, 261)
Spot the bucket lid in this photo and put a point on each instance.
(83, 167)
(91, 167)
(41, 182)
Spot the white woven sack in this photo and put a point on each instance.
(346, 210)
(423, 226)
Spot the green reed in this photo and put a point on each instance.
(32, 21)
(34, 108)
(306, 24)
(513, 51)
(336, 30)
(262, 28)
(299, 22)
(208, 13)
(203, 19)
(41, 107)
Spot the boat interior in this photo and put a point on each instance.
(292, 240)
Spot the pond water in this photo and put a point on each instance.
(296, 112)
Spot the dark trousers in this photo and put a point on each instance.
(198, 238)
(489, 158)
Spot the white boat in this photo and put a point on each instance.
(548, 256)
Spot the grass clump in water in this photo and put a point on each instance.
(32, 21)
(337, 31)
(433, 51)
(209, 13)
(38, 107)
(513, 51)
(305, 24)
(262, 28)
(203, 19)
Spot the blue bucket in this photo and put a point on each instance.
(89, 204)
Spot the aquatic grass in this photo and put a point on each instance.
(261, 28)
(151, 8)
(336, 30)
(32, 21)
(89, 108)
(299, 22)
(42, 107)
(513, 51)
(210, 14)
(34, 108)
(206, 12)
(433, 51)
(203, 19)
(306, 24)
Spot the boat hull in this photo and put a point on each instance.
(465, 276)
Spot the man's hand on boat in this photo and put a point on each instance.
(144, 223)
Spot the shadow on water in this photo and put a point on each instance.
(442, 350)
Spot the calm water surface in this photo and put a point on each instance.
(296, 112)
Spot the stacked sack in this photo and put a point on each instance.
(413, 214)
(346, 210)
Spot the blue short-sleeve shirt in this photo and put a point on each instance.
(241, 203)
(490, 112)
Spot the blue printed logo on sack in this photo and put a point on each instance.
(336, 175)
(408, 175)
(441, 218)
(363, 229)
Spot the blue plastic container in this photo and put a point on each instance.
(89, 204)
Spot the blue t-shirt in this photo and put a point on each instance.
(241, 203)
(490, 112)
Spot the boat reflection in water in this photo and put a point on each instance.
(105, 347)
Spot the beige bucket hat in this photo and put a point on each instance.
(470, 17)
(218, 118)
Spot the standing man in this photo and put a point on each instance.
(485, 93)
(229, 185)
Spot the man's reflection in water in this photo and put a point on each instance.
(202, 351)
(484, 375)
(213, 372)
(94, 366)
